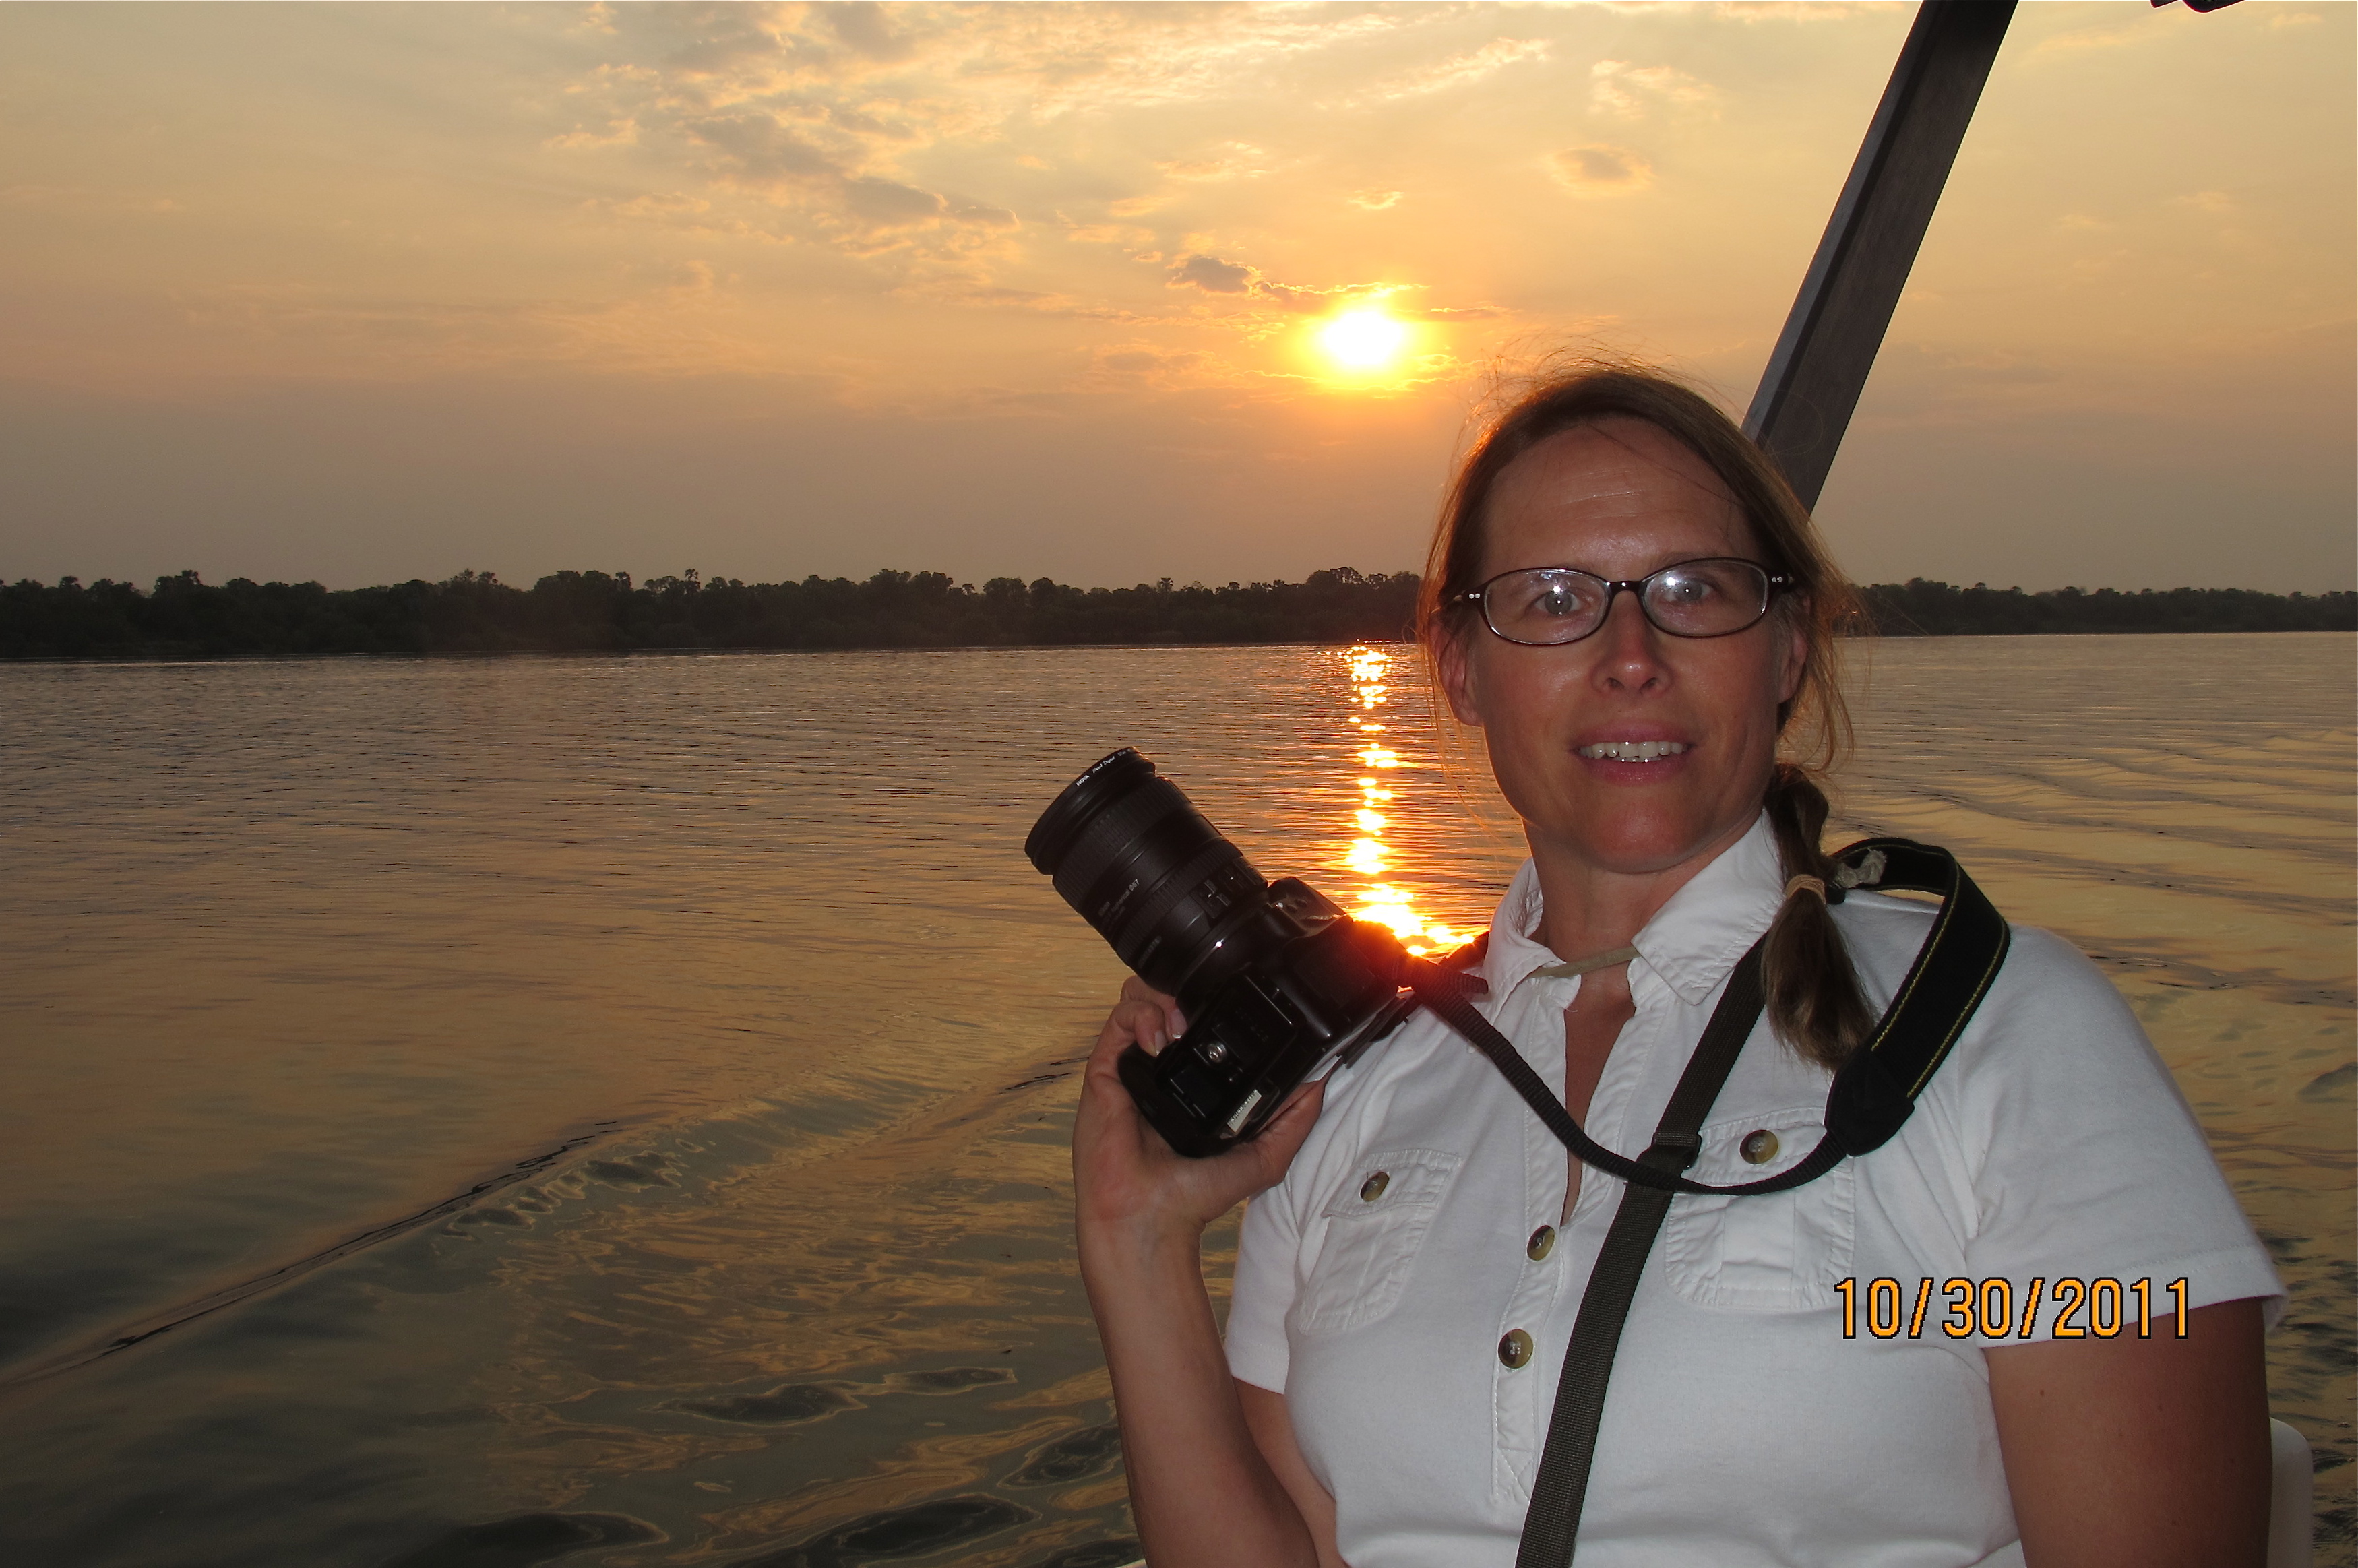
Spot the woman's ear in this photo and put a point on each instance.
(1796, 653)
(1457, 676)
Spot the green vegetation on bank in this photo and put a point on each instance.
(595, 612)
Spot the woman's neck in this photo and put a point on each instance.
(1589, 908)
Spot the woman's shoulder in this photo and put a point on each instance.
(2052, 1073)
(1404, 1093)
(1884, 934)
(2052, 1040)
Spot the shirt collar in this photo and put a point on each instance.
(1692, 942)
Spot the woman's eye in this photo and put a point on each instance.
(1686, 590)
(1555, 602)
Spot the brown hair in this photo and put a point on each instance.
(1814, 996)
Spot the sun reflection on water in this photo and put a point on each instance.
(1382, 895)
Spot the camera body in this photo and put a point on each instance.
(1322, 991)
(1273, 979)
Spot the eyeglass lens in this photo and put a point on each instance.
(1693, 598)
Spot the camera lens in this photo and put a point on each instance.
(1129, 851)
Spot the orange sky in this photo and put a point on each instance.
(362, 293)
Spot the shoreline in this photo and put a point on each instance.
(165, 655)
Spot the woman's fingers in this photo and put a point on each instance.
(1126, 1171)
(1213, 1187)
(1279, 1141)
(1143, 1021)
(1134, 989)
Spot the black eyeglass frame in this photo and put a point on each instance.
(1776, 583)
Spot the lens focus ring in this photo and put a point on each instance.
(1111, 835)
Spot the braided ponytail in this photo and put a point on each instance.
(1814, 996)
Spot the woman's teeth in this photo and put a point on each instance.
(1633, 751)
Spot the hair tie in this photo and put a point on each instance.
(1806, 883)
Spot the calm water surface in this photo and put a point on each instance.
(489, 1112)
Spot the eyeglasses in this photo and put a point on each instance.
(1715, 597)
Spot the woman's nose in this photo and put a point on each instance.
(1630, 647)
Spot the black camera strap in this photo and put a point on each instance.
(1952, 971)
(1553, 1521)
(1873, 1093)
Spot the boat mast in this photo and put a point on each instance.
(1837, 322)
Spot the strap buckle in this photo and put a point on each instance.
(1683, 1148)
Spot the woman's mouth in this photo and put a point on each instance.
(1632, 750)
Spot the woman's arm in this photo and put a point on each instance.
(2151, 1452)
(1272, 1429)
(1200, 1489)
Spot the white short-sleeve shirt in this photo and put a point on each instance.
(1744, 1426)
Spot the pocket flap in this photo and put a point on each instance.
(1374, 1225)
(1389, 1180)
(1770, 1251)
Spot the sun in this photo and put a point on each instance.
(1362, 340)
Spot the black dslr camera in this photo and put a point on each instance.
(1273, 979)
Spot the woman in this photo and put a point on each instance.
(1633, 608)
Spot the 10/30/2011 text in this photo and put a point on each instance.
(2099, 1307)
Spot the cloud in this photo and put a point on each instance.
(861, 25)
(760, 151)
(743, 39)
(1460, 70)
(1212, 276)
(1215, 277)
(1305, 299)
(888, 201)
(1596, 169)
(1374, 201)
(1141, 239)
(690, 277)
(618, 134)
(1071, 59)
(1237, 160)
(898, 135)
(1237, 281)
(1619, 88)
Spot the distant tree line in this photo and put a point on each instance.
(586, 612)
(184, 617)
(1917, 608)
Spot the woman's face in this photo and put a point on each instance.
(1573, 730)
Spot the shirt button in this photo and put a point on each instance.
(1373, 1187)
(1542, 1242)
(1760, 1147)
(1515, 1348)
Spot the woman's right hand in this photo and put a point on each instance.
(1130, 1184)
(1200, 1489)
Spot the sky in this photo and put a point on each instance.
(365, 293)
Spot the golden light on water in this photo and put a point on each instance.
(1381, 896)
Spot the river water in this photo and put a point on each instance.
(483, 1112)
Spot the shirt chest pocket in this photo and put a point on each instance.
(1373, 1227)
(1772, 1252)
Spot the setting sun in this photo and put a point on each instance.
(1362, 340)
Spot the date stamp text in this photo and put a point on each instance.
(2101, 1308)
